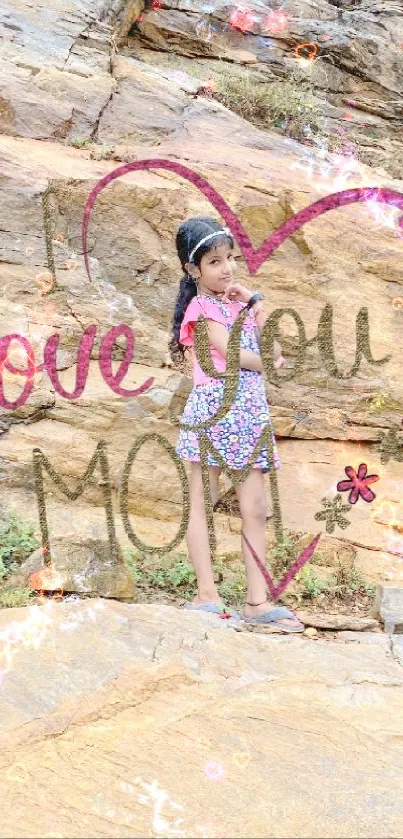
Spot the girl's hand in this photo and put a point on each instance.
(279, 362)
(239, 293)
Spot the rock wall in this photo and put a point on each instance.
(90, 85)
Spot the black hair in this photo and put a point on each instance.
(189, 234)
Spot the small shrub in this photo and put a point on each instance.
(282, 555)
(232, 590)
(173, 574)
(17, 542)
(173, 578)
(100, 152)
(13, 598)
(312, 585)
(348, 578)
(378, 402)
(132, 564)
(81, 143)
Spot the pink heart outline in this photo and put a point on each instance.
(303, 558)
(254, 257)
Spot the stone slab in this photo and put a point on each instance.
(129, 721)
(388, 605)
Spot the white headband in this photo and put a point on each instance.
(206, 238)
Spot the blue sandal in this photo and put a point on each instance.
(273, 617)
(215, 609)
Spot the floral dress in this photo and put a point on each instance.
(236, 434)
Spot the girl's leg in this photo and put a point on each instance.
(253, 505)
(197, 534)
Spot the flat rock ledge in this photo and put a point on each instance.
(337, 622)
(124, 720)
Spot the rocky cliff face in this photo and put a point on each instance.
(86, 86)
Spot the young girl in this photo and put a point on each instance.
(205, 251)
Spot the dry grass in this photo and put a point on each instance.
(285, 105)
(12, 598)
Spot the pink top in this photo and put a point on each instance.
(207, 307)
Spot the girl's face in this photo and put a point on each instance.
(216, 270)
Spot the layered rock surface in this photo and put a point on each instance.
(87, 72)
(150, 722)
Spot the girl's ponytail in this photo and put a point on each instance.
(187, 290)
(193, 239)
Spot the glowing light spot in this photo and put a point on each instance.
(276, 21)
(11, 373)
(385, 511)
(204, 30)
(208, 830)
(47, 579)
(45, 281)
(307, 475)
(241, 759)
(214, 770)
(310, 50)
(208, 87)
(395, 543)
(17, 772)
(243, 21)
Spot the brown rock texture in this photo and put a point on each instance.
(84, 567)
(121, 82)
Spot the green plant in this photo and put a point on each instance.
(283, 555)
(173, 577)
(17, 542)
(173, 574)
(82, 143)
(131, 559)
(312, 585)
(287, 105)
(232, 590)
(378, 401)
(348, 578)
(102, 152)
(15, 597)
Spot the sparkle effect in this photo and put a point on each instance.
(243, 21)
(307, 50)
(214, 770)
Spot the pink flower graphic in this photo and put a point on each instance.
(358, 484)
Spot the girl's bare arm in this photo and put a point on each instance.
(218, 337)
